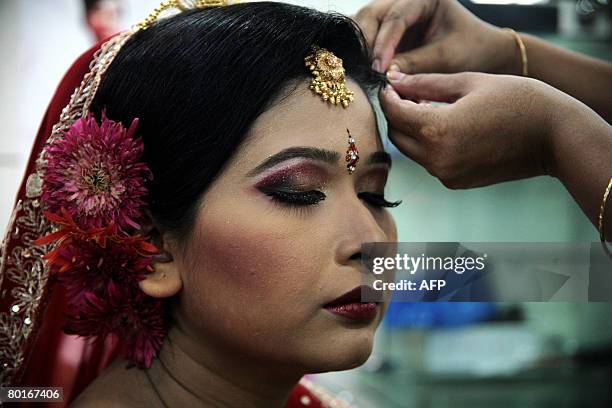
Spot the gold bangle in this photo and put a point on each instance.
(522, 49)
(602, 211)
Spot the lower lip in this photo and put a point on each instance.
(355, 311)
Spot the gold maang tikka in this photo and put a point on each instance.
(329, 81)
(329, 78)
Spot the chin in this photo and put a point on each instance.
(343, 351)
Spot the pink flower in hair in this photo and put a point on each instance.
(88, 267)
(95, 171)
(125, 312)
(95, 188)
(145, 329)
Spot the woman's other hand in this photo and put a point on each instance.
(435, 36)
(497, 128)
(493, 128)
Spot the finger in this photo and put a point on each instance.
(399, 17)
(369, 18)
(369, 22)
(408, 145)
(369, 29)
(431, 87)
(427, 58)
(402, 114)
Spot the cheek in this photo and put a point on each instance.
(254, 269)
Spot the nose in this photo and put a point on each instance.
(359, 227)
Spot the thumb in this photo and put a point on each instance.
(430, 87)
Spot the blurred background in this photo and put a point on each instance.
(426, 354)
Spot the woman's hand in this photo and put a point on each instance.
(497, 128)
(435, 36)
(494, 128)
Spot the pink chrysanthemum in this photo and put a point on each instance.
(104, 297)
(90, 267)
(146, 329)
(126, 312)
(97, 174)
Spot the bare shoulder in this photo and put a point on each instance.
(119, 387)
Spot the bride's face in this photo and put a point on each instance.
(278, 234)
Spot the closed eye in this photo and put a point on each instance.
(377, 200)
(296, 198)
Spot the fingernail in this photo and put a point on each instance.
(376, 65)
(388, 90)
(394, 67)
(394, 76)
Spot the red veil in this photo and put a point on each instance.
(34, 351)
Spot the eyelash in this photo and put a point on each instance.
(377, 200)
(295, 198)
(313, 197)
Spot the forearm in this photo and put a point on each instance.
(586, 79)
(582, 160)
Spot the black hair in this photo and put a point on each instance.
(90, 5)
(198, 80)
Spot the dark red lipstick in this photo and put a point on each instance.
(350, 306)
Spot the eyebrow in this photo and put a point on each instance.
(314, 153)
(379, 157)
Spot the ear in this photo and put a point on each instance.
(165, 280)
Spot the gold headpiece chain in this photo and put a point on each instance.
(181, 5)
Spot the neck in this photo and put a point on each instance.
(185, 374)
